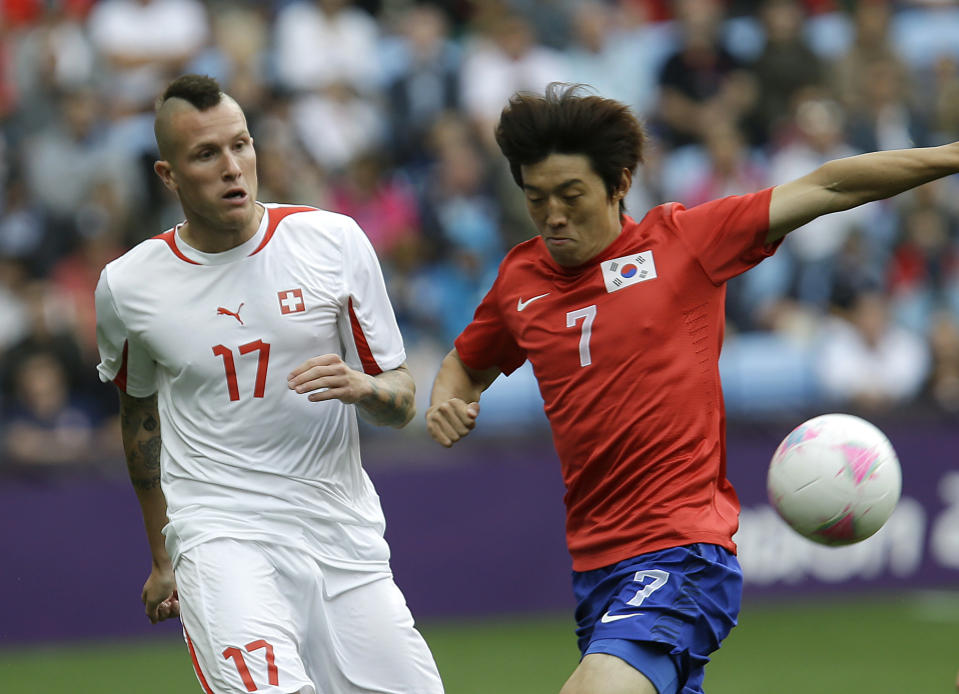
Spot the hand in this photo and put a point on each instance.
(159, 595)
(450, 421)
(327, 377)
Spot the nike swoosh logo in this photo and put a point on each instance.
(520, 304)
(607, 618)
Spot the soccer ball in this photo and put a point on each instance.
(835, 479)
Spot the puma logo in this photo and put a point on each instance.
(227, 312)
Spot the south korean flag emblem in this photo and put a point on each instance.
(620, 273)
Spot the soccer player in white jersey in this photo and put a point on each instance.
(244, 342)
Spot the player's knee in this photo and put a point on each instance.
(599, 673)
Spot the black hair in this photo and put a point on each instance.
(564, 120)
(201, 91)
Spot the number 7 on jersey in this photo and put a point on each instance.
(587, 314)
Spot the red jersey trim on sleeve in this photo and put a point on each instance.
(120, 380)
(275, 216)
(170, 238)
(363, 346)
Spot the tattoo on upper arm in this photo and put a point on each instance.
(141, 441)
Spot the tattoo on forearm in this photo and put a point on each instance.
(391, 403)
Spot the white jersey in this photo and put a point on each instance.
(216, 336)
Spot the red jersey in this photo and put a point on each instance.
(625, 349)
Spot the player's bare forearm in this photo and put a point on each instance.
(140, 429)
(454, 400)
(456, 380)
(385, 399)
(391, 403)
(845, 183)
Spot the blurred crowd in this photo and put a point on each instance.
(384, 111)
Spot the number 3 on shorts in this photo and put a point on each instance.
(659, 580)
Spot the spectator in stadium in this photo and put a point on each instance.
(604, 40)
(53, 53)
(923, 270)
(944, 99)
(320, 44)
(785, 68)
(424, 84)
(286, 171)
(503, 56)
(238, 55)
(731, 166)
(142, 44)
(242, 446)
(701, 79)
(461, 220)
(623, 324)
(45, 424)
(865, 361)
(885, 117)
(79, 142)
(942, 387)
(383, 203)
(872, 42)
(818, 136)
(23, 228)
(48, 328)
(326, 55)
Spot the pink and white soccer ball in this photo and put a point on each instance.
(835, 479)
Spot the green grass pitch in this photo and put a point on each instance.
(885, 643)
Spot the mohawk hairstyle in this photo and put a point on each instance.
(201, 91)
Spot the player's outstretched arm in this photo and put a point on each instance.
(454, 401)
(140, 429)
(386, 399)
(845, 183)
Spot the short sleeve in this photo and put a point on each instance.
(726, 236)
(487, 342)
(374, 341)
(122, 359)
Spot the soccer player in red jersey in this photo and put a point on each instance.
(622, 321)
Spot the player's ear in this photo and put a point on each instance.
(625, 182)
(165, 172)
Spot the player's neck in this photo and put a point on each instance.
(208, 238)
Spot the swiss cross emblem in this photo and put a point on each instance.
(291, 301)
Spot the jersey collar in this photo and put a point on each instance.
(184, 250)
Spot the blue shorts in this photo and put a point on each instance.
(662, 612)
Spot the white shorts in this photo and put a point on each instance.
(270, 619)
